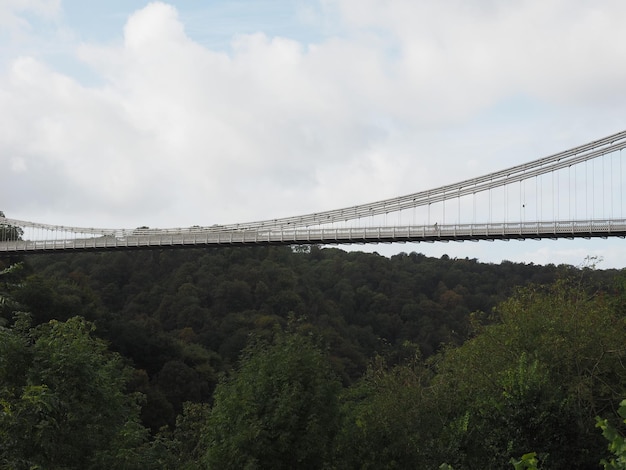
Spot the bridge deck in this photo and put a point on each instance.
(302, 236)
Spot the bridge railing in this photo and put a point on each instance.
(356, 235)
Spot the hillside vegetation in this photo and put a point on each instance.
(305, 358)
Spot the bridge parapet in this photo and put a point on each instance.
(331, 236)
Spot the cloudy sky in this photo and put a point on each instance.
(124, 113)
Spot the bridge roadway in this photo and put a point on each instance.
(190, 237)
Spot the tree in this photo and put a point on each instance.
(184, 443)
(8, 283)
(63, 401)
(279, 410)
(617, 442)
(388, 420)
(9, 232)
(535, 380)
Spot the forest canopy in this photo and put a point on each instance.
(280, 358)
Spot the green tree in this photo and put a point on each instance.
(526, 462)
(617, 442)
(388, 420)
(63, 401)
(184, 442)
(9, 232)
(535, 380)
(9, 281)
(279, 410)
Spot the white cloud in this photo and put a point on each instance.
(18, 165)
(466, 55)
(11, 12)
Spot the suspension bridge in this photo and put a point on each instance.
(577, 193)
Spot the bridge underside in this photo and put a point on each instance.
(189, 238)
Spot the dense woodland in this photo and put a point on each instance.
(306, 357)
